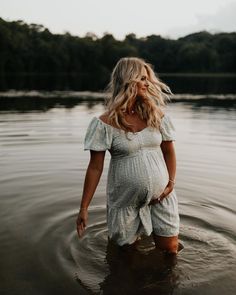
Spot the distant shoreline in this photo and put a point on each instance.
(89, 95)
(206, 74)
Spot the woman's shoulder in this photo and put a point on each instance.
(167, 128)
(102, 121)
(99, 122)
(166, 117)
(98, 136)
(104, 117)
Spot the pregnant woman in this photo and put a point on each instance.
(139, 136)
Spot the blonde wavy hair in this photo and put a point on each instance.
(122, 94)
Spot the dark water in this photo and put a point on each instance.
(180, 83)
(42, 171)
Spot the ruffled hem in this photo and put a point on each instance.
(126, 224)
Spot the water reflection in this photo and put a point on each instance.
(181, 83)
(136, 270)
(201, 83)
(43, 102)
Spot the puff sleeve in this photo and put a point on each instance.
(98, 136)
(167, 129)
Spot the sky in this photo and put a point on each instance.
(168, 18)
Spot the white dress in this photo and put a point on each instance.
(137, 173)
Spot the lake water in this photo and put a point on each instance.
(41, 179)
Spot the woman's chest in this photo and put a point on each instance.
(124, 144)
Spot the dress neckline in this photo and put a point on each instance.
(147, 127)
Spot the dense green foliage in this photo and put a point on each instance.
(34, 49)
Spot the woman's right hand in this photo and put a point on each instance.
(81, 221)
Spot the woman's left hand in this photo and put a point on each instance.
(168, 189)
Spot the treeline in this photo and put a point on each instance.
(32, 48)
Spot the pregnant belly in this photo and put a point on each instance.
(132, 182)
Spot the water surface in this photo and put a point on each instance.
(41, 178)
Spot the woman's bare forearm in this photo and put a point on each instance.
(92, 177)
(91, 181)
(170, 159)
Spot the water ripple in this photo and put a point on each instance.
(96, 265)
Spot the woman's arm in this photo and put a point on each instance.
(92, 177)
(168, 151)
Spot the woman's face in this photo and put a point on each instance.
(142, 85)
